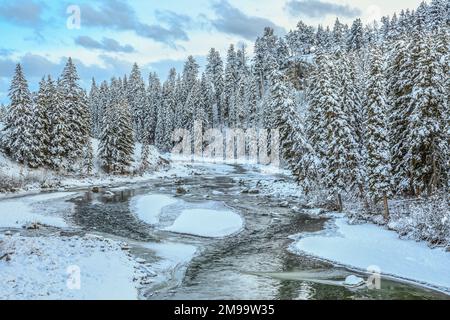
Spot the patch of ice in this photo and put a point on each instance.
(207, 223)
(173, 253)
(365, 245)
(148, 207)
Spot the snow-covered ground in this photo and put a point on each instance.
(365, 245)
(66, 268)
(18, 212)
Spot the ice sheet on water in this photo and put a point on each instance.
(207, 223)
(148, 207)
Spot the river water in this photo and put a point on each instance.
(253, 264)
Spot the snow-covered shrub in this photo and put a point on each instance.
(423, 219)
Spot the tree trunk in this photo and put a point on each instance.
(366, 203)
(386, 206)
(340, 203)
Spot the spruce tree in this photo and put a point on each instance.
(94, 108)
(154, 103)
(75, 102)
(41, 128)
(214, 74)
(137, 100)
(428, 138)
(60, 127)
(116, 141)
(378, 157)
(230, 83)
(19, 125)
(295, 147)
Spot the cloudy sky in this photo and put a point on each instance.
(113, 34)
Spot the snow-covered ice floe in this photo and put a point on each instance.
(17, 212)
(207, 223)
(148, 207)
(208, 219)
(366, 245)
(48, 268)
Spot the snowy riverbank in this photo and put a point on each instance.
(59, 267)
(366, 245)
(17, 179)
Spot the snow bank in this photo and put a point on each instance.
(364, 245)
(207, 223)
(16, 213)
(38, 268)
(148, 207)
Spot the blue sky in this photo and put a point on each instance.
(156, 34)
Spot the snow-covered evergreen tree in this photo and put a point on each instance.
(399, 90)
(295, 147)
(41, 128)
(75, 102)
(93, 108)
(60, 126)
(116, 141)
(356, 38)
(428, 139)
(18, 139)
(378, 157)
(137, 100)
(230, 84)
(151, 112)
(166, 114)
(214, 72)
(301, 40)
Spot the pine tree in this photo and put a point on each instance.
(399, 90)
(18, 131)
(94, 106)
(338, 34)
(428, 138)
(137, 100)
(265, 60)
(41, 128)
(252, 101)
(350, 104)
(319, 94)
(207, 101)
(301, 40)
(295, 147)
(154, 103)
(60, 126)
(166, 114)
(378, 158)
(230, 83)
(75, 102)
(116, 142)
(356, 39)
(214, 73)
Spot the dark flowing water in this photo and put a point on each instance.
(255, 264)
